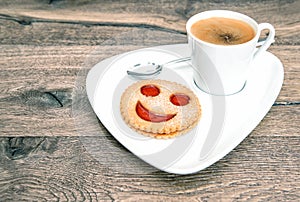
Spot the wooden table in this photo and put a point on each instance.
(46, 49)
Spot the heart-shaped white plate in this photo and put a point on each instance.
(225, 121)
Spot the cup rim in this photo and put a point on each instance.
(226, 14)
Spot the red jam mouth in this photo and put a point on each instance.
(148, 115)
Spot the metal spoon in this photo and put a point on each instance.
(152, 69)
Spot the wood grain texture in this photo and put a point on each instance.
(61, 168)
(52, 146)
(38, 84)
(39, 19)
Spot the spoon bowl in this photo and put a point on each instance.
(150, 69)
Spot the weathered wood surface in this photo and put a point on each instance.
(55, 168)
(39, 81)
(46, 47)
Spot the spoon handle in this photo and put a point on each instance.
(137, 74)
(177, 61)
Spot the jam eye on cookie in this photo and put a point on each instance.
(150, 90)
(179, 99)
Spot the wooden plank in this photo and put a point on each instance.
(31, 121)
(25, 68)
(291, 64)
(73, 24)
(137, 12)
(62, 169)
(38, 86)
(69, 34)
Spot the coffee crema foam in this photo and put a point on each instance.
(223, 31)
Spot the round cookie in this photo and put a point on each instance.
(160, 108)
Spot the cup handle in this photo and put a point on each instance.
(265, 44)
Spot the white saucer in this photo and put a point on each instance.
(225, 121)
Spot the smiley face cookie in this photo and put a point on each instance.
(160, 108)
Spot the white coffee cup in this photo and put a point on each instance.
(223, 69)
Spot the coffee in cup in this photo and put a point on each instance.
(223, 31)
